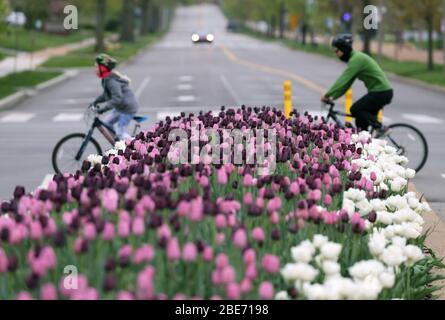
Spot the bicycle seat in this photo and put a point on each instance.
(140, 119)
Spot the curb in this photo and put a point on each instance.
(418, 83)
(434, 241)
(22, 95)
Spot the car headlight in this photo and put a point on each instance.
(210, 37)
(195, 37)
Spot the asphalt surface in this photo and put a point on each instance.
(175, 75)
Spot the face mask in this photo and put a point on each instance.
(102, 71)
(346, 56)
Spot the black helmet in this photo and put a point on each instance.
(343, 42)
(107, 61)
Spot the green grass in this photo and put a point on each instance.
(22, 80)
(410, 69)
(85, 57)
(27, 40)
(2, 56)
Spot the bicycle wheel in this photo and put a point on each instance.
(409, 142)
(64, 154)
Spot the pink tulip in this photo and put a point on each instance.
(248, 199)
(89, 231)
(138, 226)
(251, 272)
(274, 204)
(207, 254)
(233, 291)
(220, 221)
(248, 180)
(125, 252)
(183, 208)
(110, 199)
(327, 200)
(125, 295)
(189, 252)
(145, 253)
(222, 176)
(240, 238)
(123, 229)
(220, 238)
(196, 210)
(258, 234)
(108, 232)
(180, 297)
(249, 257)
(266, 291)
(48, 292)
(228, 274)
(173, 250)
(24, 296)
(270, 263)
(245, 286)
(221, 261)
(216, 277)
(164, 232)
(275, 218)
(36, 230)
(294, 188)
(3, 261)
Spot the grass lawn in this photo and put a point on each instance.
(26, 40)
(2, 56)
(85, 57)
(22, 80)
(409, 69)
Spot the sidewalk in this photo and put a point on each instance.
(30, 60)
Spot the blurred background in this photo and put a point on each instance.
(199, 55)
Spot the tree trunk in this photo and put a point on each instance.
(154, 15)
(101, 7)
(304, 33)
(430, 44)
(282, 13)
(443, 34)
(127, 28)
(145, 27)
(381, 30)
(366, 34)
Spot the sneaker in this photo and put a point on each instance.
(381, 132)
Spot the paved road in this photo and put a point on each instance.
(175, 75)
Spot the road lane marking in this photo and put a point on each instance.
(231, 90)
(271, 70)
(443, 175)
(68, 117)
(142, 87)
(186, 98)
(46, 181)
(161, 116)
(422, 118)
(185, 78)
(17, 117)
(184, 87)
(77, 101)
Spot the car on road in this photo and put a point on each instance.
(203, 37)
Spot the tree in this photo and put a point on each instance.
(101, 7)
(145, 23)
(127, 21)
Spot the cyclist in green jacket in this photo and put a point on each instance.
(362, 67)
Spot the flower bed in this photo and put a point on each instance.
(334, 220)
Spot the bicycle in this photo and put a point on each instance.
(398, 135)
(70, 152)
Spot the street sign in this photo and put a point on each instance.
(293, 21)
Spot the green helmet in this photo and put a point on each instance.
(106, 60)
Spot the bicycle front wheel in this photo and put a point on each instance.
(64, 154)
(409, 142)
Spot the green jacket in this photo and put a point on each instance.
(364, 68)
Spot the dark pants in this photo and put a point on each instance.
(367, 108)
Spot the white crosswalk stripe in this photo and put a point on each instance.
(184, 87)
(17, 117)
(46, 181)
(443, 175)
(422, 118)
(68, 117)
(185, 78)
(186, 98)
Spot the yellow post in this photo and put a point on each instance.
(287, 98)
(348, 105)
(380, 116)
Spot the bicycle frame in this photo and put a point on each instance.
(106, 131)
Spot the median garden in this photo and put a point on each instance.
(300, 209)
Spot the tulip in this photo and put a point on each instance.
(266, 291)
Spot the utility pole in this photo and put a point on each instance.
(443, 33)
